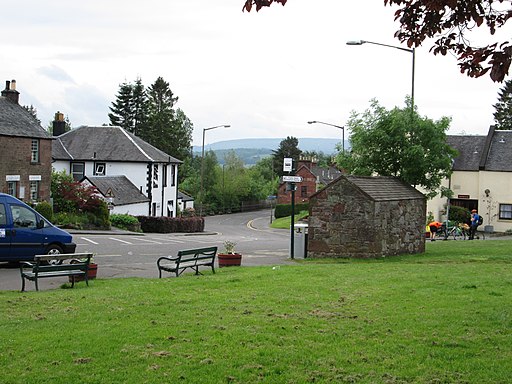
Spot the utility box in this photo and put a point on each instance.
(300, 241)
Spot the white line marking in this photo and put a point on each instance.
(89, 240)
(121, 241)
(147, 241)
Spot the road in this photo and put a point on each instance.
(121, 254)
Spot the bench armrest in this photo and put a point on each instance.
(26, 264)
(166, 258)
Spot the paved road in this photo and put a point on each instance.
(123, 254)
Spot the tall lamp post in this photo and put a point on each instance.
(202, 163)
(413, 51)
(335, 126)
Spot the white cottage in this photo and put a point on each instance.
(100, 155)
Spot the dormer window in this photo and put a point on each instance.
(100, 169)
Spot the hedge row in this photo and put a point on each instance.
(285, 210)
(151, 224)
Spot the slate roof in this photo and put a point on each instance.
(384, 188)
(487, 153)
(17, 121)
(124, 191)
(184, 197)
(106, 144)
(325, 175)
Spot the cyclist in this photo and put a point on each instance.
(434, 228)
(475, 220)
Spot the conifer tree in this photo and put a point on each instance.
(122, 110)
(503, 114)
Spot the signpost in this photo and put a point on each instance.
(291, 180)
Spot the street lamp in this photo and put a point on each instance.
(413, 51)
(335, 126)
(202, 163)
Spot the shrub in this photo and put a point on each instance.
(285, 210)
(153, 224)
(125, 221)
(459, 214)
(45, 209)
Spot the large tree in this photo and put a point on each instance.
(122, 111)
(390, 143)
(503, 113)
(288, 147)
(449, 22)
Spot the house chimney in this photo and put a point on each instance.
(59, 125)
(10, 91)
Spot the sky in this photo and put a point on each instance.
(266, 73)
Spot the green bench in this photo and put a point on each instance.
(64, 264)
(189, 258)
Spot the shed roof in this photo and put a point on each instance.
(384, 188)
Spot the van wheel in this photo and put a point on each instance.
(54, 250)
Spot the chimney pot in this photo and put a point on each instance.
(13, 85)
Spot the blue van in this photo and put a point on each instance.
(25, 233)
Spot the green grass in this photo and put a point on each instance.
(284, 222)
(441, 317)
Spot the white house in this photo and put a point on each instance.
(481, 179)
(101, 155)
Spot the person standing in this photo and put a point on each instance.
(434, 227)
(475, 222)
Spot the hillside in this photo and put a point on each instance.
(252, 150)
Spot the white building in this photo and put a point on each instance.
(138, 178)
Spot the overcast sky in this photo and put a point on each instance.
(266, 74)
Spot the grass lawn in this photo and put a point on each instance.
(441, 317)
(284, 222)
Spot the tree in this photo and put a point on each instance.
(33, 111)
(449, 22)
(139, 105)
(122, 111)
(288, 147)
(387, 143)
(503, 114)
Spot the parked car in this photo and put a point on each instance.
(25, 233)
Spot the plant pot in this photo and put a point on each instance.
(91, 274)
(229, 259)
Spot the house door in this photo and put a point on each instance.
(465, 203)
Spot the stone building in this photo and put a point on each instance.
(366, 217)
(26, 150)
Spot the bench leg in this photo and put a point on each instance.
(37, 285)
(22, 284)
(72, 281)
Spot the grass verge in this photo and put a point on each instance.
(441, 317)
(284, 222)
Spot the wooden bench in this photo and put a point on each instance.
(68, 264)
(189, 258)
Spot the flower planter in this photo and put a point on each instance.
(91, 274)
(229, 259)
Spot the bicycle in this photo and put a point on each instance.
(458, 232)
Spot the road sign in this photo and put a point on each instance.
(292, 179)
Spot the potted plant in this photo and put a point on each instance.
(229, 257)
(91, 272)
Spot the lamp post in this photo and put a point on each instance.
(202, 163)
(335, 126)
(413, 51)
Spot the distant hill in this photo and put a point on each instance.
(252, 150)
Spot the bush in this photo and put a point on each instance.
(285, 210)
(459, 214)
(125, 221)
(153, 224)
(45, 209)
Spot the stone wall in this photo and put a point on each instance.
(345, 222)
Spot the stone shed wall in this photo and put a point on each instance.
(345, 222)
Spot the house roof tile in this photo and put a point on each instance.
(123, 190)
(107, 144)
(17, 121)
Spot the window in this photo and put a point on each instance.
(164, 179)
(34, 158)
(173, 175)
(78, 171)
(34, 190)
(100, 169)
(3, 218)
(12, 188)
(505, 211)
(304, 191)
(155, 175)
(23, 217)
